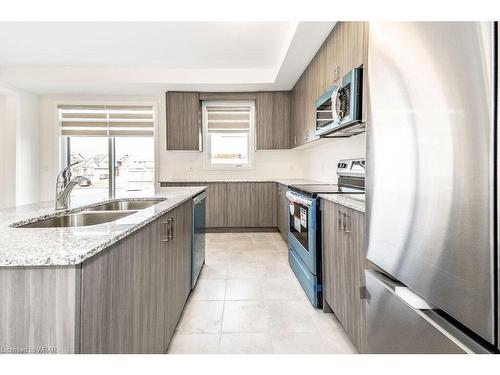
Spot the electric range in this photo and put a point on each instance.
(304, 224)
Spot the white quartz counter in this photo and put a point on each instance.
(73, 245)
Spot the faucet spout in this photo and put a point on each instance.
(63, 191)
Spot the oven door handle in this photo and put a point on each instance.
(296, 198)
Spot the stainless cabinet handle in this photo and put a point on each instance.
(345, 223)
(165, 239)
(339, 221)
(171, 234)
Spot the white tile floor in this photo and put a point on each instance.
(248, 300)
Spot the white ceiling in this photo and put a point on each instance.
(151, 57)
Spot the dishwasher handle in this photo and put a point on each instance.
(199, 198)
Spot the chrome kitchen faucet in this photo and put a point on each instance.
(64, 186)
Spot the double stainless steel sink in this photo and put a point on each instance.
(124, 205)
(100, 214)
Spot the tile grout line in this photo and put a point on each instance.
(222, 317)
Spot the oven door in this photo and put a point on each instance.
(302, 226)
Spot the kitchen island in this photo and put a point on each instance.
(115, 287)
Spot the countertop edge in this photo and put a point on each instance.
(69, 261)
(281, 181)
(345, 200)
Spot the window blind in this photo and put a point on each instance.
(109, 120)
(228, 118)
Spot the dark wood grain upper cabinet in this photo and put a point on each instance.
(273, 120)
(344, 49)
(183, 121)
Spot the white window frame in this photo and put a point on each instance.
(206, 139)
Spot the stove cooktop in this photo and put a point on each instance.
(315, 189)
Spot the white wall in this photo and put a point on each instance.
(7, 152)
(27, 148)
(19, 132)
(320, 159)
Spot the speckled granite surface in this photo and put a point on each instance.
(73, 245)
(298, 181)
(282, 181)
(354, 201)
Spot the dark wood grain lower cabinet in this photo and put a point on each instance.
(251, 204)
(216, 205)
(178, 268)
(123, 296)
(282, 211)
(216, 201)
(241, 211)
(39, 307)
(243, 204)
(133, 292)
(343, 245)
(264, 202)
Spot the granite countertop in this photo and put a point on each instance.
(282, 181)
(298, 181)
(354, 201)
(73, 245)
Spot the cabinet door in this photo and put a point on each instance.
(264, 124)
(354, 265)
(183, 121)
(240, 209)
(310, 100)
(273, 120)
(216, 201)
(353, 40)
(251, 204)
(334, 273)
(333, 56)
(178, 263)
(298, 110)
(216, 205)
(283, 211)
(123, 306)
(264, 196)
(281, 120)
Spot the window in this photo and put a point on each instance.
(114, 146)
(92, 155)
(229, 134)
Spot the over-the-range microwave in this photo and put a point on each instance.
(338, 110)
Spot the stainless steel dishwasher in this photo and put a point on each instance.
(198, 242)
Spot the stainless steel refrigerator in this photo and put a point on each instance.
(431, 286)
